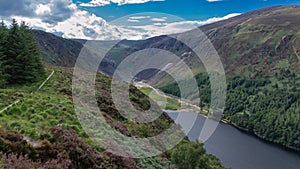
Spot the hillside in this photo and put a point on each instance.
(260, 53)
(43, 131)
(259, 42)
(40, 129)
(58, 51)
(251, 44)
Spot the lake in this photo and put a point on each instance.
(239, 150)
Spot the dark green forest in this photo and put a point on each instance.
(19, 55)
(268, 107)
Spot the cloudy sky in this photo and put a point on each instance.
(125, 19)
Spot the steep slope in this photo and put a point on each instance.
(257, 42)
(43, 130)
(56, 50)
(260, 52)
(250, 44)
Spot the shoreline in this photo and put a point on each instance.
(226, 122)
(194, 108)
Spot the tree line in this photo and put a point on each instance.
(19, 55)
(266, 106)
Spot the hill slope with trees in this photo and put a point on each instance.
(41, 131)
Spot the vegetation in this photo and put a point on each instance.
(265, 106)
(47, 120)
(192, 155)
(42, 131)
(164, 102)
(19, 55)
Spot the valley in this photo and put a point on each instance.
(40, 126)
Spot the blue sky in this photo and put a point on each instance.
(100, 19)
(187, 9)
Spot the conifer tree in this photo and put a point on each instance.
(32, 65)
(3, 36)
(12, 53)
(21, 55)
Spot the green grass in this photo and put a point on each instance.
(282, 64)
(166, 102)
(39, 111)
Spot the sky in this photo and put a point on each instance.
(125, 19)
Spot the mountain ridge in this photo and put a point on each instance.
(245, 43)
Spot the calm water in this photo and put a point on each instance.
(239, 150)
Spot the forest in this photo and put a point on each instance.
(265, 106)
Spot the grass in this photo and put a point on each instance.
(165, 102)
(39, 111)
(52, 106)
(282, 64)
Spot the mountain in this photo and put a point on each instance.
(250, 44)
(56, 50)
(260, 53)
(258, 42)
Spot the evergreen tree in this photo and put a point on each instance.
(3, 36)
(32, 65)
(12, 53)
(22, 59)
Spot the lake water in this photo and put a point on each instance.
(239, 150)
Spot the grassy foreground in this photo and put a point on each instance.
(42, 130)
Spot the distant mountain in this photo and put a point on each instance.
(258, 42)
(250, 44)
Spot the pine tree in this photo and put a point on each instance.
(3, 36)
(22, 55)
(13, 51)
(32, 65)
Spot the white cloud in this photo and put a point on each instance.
(157, 29)
(133, 20)
(214, 0)
(94, 3)
(162, 19)
(80, 24)
(42, 9)
(139, 17)
(160, 24)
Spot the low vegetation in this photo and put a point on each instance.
(47, 120)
